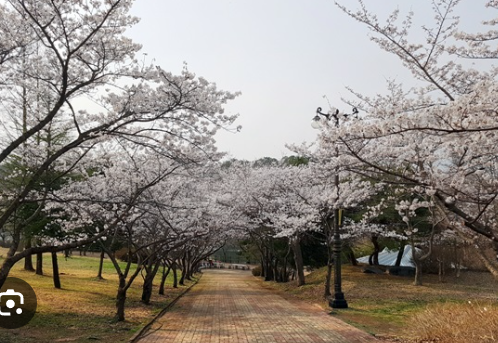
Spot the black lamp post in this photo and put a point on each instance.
(338, 301)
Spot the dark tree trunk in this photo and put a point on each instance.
(101, 265)
(121, 299)
(55, 268)
(374, 258)
(188, 266)
(163, 279)
(298, 258)
(146, 291)
(28, 263)
(194, 268)
(184, 272)
(28, 260)
(283, 273)
(181, 282)
(148, 283)
(12, 258)
(39, 264)
(400, 255)
(350, 254)
(123, 284)
(268, 267)
(268, 271)
(276, 274)
(188, 272)
(270, 276)
(175, 275)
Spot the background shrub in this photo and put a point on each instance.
(256, 271)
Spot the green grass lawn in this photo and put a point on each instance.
(84, 308)
(391, 306)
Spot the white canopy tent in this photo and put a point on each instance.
(388, 257)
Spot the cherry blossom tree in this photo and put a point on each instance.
(438, 137)
(238, 194)
(286, 203)
(153, 206)
(74, 53)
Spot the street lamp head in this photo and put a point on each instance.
(316, 123)
(317, 120)
(333, 113)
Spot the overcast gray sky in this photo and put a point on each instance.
(283, 55)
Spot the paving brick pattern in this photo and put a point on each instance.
(231, 306)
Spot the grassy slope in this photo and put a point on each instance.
(85, 306)
(387, 306)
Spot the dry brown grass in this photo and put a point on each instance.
(392, 307)
(458, 323)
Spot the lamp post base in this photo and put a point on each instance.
(338, 301)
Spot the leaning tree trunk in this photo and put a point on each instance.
(400, 255)
(298, 258)
(55, 268)
(101, 265)
(163, 279)
(374, 258)
(195, 268)
(39, 264)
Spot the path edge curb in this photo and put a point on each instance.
(146, 327)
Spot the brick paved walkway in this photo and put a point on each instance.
(230, 306)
